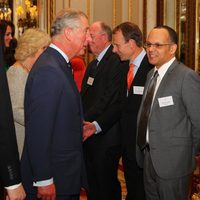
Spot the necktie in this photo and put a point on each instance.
(70, 67)
(130, 76)
(143, 121)
(93, 67)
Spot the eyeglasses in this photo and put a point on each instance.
(94, 36)
(155, 45)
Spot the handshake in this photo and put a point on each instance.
(88, 130)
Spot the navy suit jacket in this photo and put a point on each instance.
(9, 164)
(53, 127)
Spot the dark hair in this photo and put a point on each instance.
(172, 33)
(105, 28)
(7, 51)
(3, 27)
(130, 31)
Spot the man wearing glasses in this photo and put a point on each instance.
(101, 104)
(168, 121)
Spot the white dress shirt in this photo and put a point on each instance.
(161, 72)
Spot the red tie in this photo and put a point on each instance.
(130, 76)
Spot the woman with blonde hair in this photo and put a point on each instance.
(30, 45)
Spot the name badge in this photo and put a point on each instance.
(90, 81)
(166, 101)
(138, 90)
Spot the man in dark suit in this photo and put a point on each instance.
(52, 159)
(101, 102)
(9, 165)
(127, 40)
(168, 120)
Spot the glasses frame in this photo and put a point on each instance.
(147, 45)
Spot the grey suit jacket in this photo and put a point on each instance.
(174, 128)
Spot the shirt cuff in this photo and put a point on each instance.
(43, 183)
(12, 187)
(98, 128)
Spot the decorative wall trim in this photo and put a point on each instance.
(88, 9)
(114, 13)
(144, 20)
(50, 14)
(197, 51)
(190, 39)
(130, 10)
(160, 12)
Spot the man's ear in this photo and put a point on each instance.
(132, 43)
(173, 48)
(68, 33)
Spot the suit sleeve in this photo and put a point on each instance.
(9, 165)
(191, 98)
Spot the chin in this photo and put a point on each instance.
(151, 61)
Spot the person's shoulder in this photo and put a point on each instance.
(181, 67)
(77, 63)
(16, 71)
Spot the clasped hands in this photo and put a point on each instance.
(88, 130)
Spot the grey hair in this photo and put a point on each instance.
(66, 18)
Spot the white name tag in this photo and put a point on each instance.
(138, 90)
(90, 81)
(166, 101)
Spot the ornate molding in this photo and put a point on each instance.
(114, 13)
(197, 28)
(50, 13)
(130, 9)
(144, 20)
(88, 9)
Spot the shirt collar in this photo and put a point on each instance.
(60, 51)
(163, 69)
(101, 55)
(139, 58)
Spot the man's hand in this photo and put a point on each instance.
(16, 194)
(88, 130)
(47, 192)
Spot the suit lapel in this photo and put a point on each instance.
(102, 64)
(97, 73)
(64, 67)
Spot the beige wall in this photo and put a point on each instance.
(112, 12)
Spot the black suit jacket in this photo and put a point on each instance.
(131, 106)
(102, 100)
(9, 164)
(53, 126)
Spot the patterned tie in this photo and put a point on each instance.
(143, 122)
(93, 67)
(130, 76)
